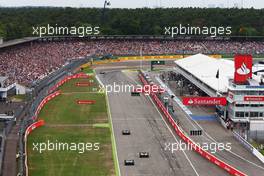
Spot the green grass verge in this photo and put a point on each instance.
(257, 146)
(68, 122)
(71, 163)
(101, 125)
(64, 109)
(114, 149)
(72, 87)
(87, 70)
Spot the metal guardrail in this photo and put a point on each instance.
(40, 91)
(245, 143)
(249, 147)
(257, 135)
(211, 158)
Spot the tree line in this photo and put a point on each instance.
(18, 22)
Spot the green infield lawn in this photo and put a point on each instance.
(71, 162)
(72, 87)
(65, 110)
(71, 123)
(87, 70)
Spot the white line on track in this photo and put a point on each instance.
(191, 121)
(191, 164)
(113, 133)
(188, 159)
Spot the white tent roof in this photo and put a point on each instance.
(205, 69)
(258, 67)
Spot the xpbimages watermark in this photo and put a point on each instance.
(212, 31)
(80, 147)
(212, 147)
(80, 31)
(128, 88)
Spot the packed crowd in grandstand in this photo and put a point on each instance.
(28, 62)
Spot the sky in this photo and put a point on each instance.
(136, 3)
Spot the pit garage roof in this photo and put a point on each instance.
(204, 68)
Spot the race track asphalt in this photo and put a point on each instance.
(149, 133)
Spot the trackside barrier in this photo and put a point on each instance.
(66, 79)
(249, 147)
(38, 123)
(28, 131)
(150, 57)
(166, 57)
(45, 101)
(231, 170)
(105, 61)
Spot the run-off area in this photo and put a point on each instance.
(82, 129)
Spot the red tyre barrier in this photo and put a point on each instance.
(231, 170)
(38, 123)
(45, 101)
(66, 79)
(28, 131)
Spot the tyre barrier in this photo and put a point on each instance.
(38, 123)
(45, 101)
(231, 170)
(66, 79)
(28, 131)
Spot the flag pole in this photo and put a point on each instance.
(218, 82)
(217, 76)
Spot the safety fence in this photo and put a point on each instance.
(146, 58)
(45, 101)
(249, 147)
(42, 104)
(38, 123)
(40, 90)
(178, 56)
(28, 131)
(66, 79)
(231, 170)
(107, 61)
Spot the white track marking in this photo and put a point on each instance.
(191, 164)
(191, 121)
(109, 112)
(174, 136)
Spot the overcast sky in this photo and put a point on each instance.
(136, 4)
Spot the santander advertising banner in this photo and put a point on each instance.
(204, 101)
(254, 98)
(243, 68)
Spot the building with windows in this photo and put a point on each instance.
(6, 88)
(215, 77)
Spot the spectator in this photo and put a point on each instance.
(26, 63)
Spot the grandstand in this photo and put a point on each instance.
(215, 77)
(42, 56)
